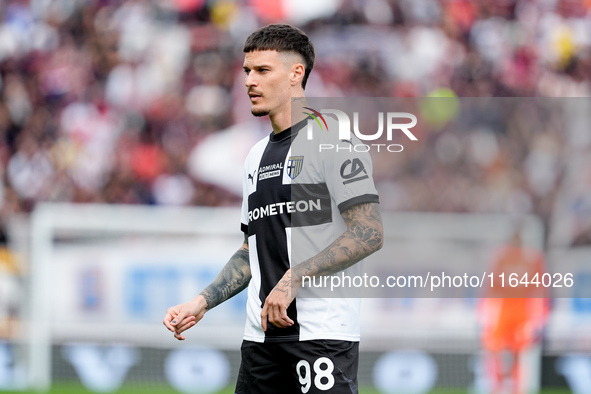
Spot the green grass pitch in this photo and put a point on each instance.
(75, 388)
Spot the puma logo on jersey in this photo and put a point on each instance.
(251, 177)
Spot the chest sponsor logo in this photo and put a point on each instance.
(294, 166)
(290, 207)
(270, 171)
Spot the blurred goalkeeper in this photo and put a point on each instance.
(512, 317)
(327, 200)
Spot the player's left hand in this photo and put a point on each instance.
(275, 308)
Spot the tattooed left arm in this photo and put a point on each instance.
(364, 236)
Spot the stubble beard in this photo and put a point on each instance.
(260, 112)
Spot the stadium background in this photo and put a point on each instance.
(131, 102)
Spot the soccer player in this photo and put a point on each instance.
(512, 317)
(304, 214)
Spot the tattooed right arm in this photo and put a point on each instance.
(232, 279)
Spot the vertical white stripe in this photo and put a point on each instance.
(253, 330)
(254, 262)
(288, 237)
(286, 179)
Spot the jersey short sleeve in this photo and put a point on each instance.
(244, 210)
(249, 180)
(348, 173)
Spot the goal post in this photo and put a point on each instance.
(50, 220)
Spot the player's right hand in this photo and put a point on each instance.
(181, 317)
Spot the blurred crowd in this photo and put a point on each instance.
(109, 101)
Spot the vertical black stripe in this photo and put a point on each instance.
(270, 230)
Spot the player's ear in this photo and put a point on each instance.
(297, 73)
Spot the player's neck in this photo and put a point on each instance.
(292, 114)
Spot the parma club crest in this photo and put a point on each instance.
(294, 166)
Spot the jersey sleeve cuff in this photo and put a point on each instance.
(244, 228)
(366, 198)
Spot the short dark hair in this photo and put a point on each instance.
(283, 38)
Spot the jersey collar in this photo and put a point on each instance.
(289, 132)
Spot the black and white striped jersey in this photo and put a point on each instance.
(293, 198)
